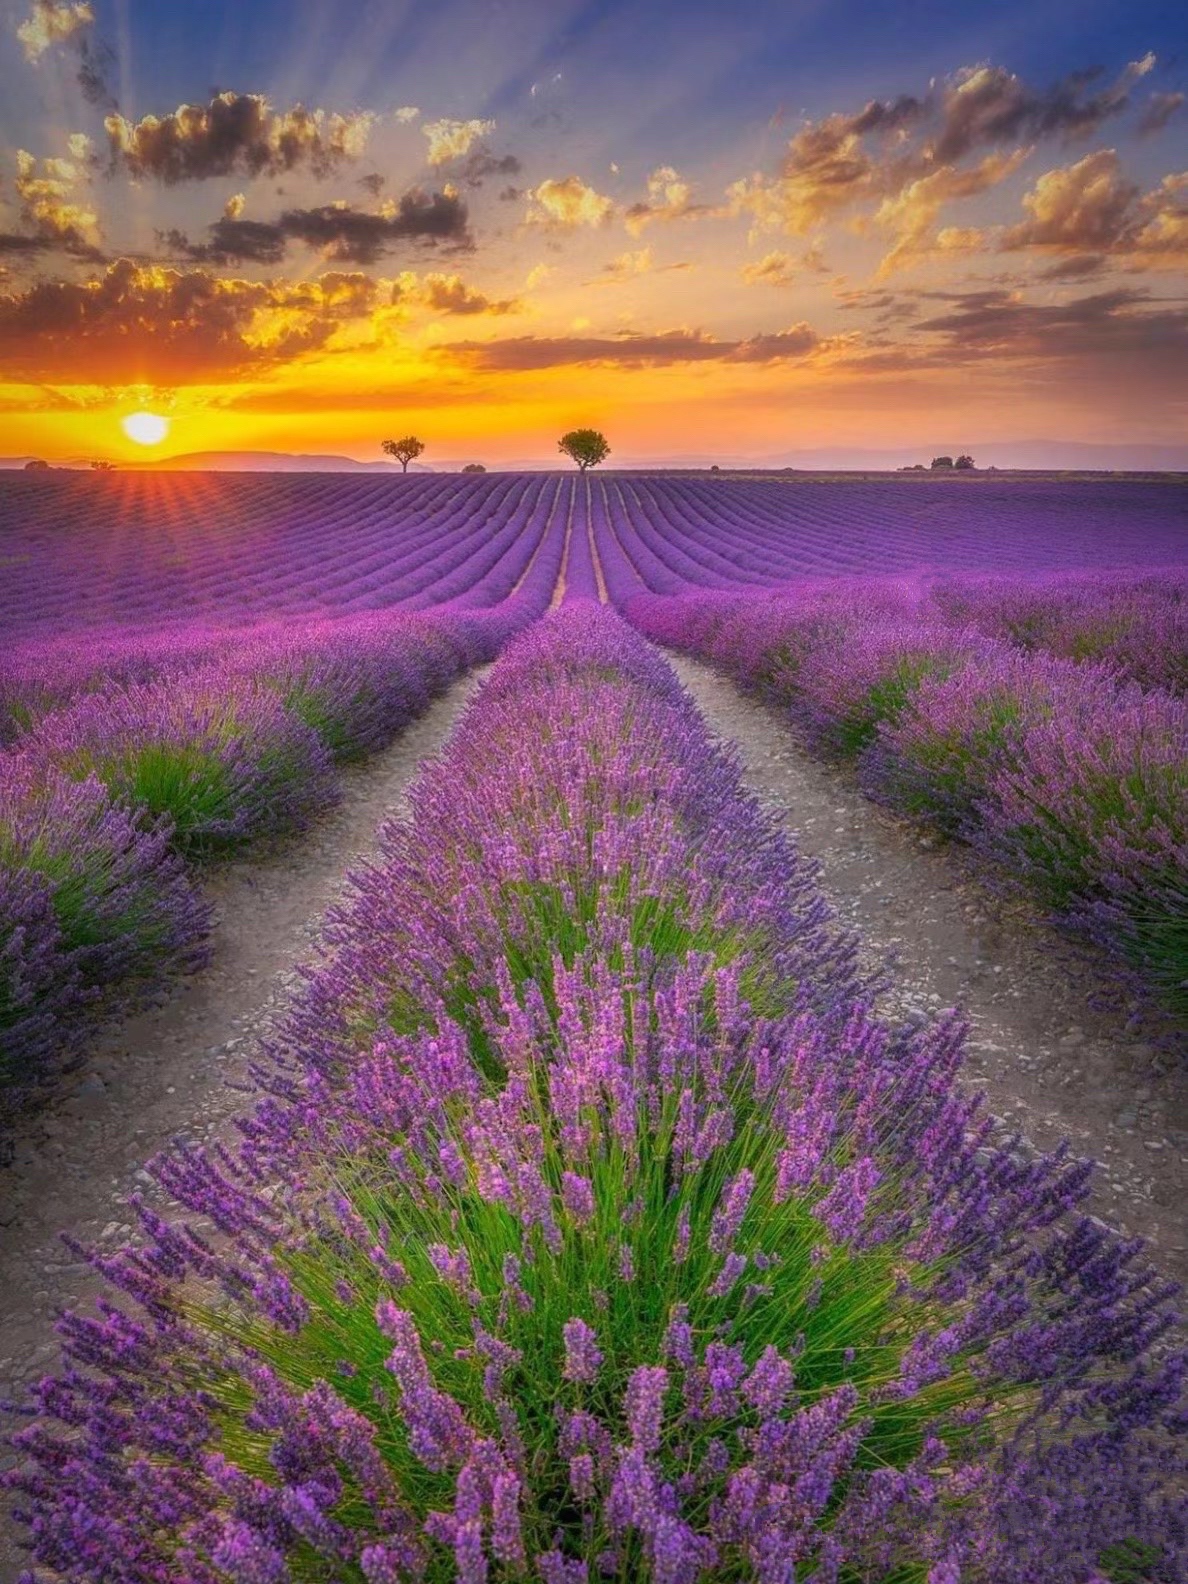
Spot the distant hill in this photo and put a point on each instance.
(263, 462)
(1040, 455)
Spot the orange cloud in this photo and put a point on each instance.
(137, 323)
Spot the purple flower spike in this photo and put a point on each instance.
(582, 1356)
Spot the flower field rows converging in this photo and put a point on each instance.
(80, 551)
(591, 1226)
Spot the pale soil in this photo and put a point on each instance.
(1052, 1065)
(166, 1073)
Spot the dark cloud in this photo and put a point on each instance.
(881, 116)
(989, 106)
(13, 242)
(631, 350)
(96, 63)
(1158, 111)
(512, 194)
(1079, 267)
(138, 323)
(231, 241)
(891, 147)
(481, 163)
(777, 348)
(1121, 324)
(342, 233)
(235, 133)
(373, 183)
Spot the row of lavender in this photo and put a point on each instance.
(1029, 585)
(685, 532)
(592, 1226)
(1070, 780)
(84, 550)
(138, 756)
(154, 549)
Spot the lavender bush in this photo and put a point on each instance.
(95, 908)
(217, 754)
(555, 1256)
(1137, 624)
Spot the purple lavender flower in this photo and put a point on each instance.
(582, 1356)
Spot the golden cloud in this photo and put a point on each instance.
(670, 197)
(449, 294)
(450, 140)
(627, 265)
(911, 214)
(136, 323)
(773, 269)
(51, 204)
(568, 202)
(52, 22)
(1091, 208)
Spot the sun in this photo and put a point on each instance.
(145, 428)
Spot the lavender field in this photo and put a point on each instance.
(588, 1217)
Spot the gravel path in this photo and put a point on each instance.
(1051, 1065)
(164, 1073)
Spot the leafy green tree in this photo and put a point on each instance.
(942, 462)
(964, 462)
(586, 447)
(474, 467)
(405, 451)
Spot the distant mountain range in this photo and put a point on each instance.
(238, 462)
(1043, 455)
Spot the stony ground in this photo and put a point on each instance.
(168, 1072)
(1052, 1063)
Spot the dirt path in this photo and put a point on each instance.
(164, 1073)
(1052, 1066)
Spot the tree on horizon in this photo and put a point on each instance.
(405, 451)
(586, 447)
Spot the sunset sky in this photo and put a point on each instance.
(745, 228)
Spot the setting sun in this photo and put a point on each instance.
(145, 428)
